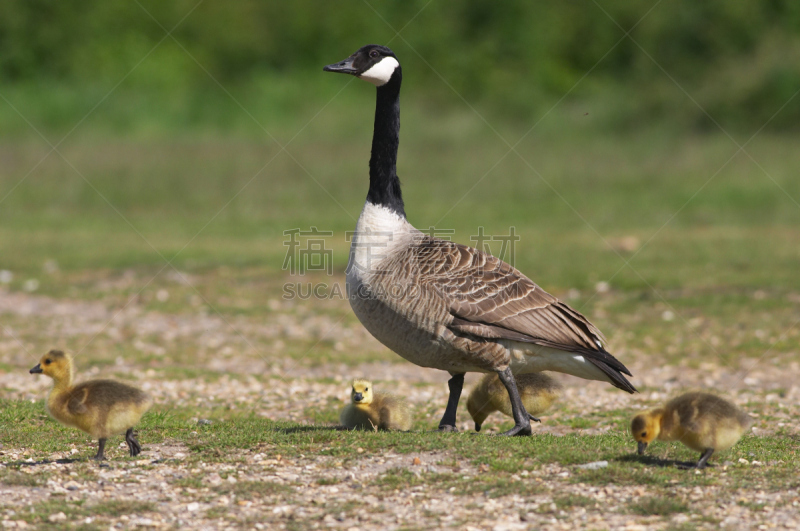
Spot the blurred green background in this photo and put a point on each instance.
(626, 164)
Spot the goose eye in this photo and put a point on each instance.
(374, 53)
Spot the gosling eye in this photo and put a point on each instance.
(644, 434)
(366, 389)
(47, 362)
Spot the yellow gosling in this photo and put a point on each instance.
(537, 390)
(702, 421)
(369, 410)
(101, 408)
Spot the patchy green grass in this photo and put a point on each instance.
(246, 490)
(81, 509)
(12, 478)
(573, 500)
(658, 506)
(180, 201)
(117, 507)
(499, 457)
(701, 266)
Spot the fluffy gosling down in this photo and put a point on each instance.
(701, 421)
(537, 390)
(370, 410)
(101, 408)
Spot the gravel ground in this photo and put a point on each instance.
(250, 375)
(289, 492)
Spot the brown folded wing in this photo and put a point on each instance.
(491, 299)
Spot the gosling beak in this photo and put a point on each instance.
(37, 369)
(357, 397)
(343, 67)
(477, 427)
(642, 448)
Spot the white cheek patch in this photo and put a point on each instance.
(380, 73)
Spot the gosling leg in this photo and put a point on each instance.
(522, 420)
(704, 458)
(101, 446)
(455, 384)
(133, 444)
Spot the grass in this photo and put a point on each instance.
(248, 489)
(470, 467)
(499, 457)
(77, 509)
(573, 500)
(710, 279)
(587, 192)
(13, 478)
(658, 506)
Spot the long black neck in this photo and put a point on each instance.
(384, 185)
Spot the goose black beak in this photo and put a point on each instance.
(343, 67)
(642, 448)
(37, 369)
(477, 427)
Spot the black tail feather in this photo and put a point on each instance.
(617, 379)
(608, 359)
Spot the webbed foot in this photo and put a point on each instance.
(518, 431)
(522, 419)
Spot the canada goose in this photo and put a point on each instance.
(101, 408)
(538, 391)
(702, 421)
(370, 410)
(447, 306)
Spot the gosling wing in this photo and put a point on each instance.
(76, 404)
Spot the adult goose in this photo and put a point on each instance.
(447, 306)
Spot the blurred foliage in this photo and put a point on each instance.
(739, 60)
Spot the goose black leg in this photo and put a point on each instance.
(455, 384)
(133, 444)
(522, 420)
(704, 458)
(101, 446)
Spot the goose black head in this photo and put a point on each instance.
(374, 63)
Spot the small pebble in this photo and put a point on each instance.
(57, 517)
(594, 465)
